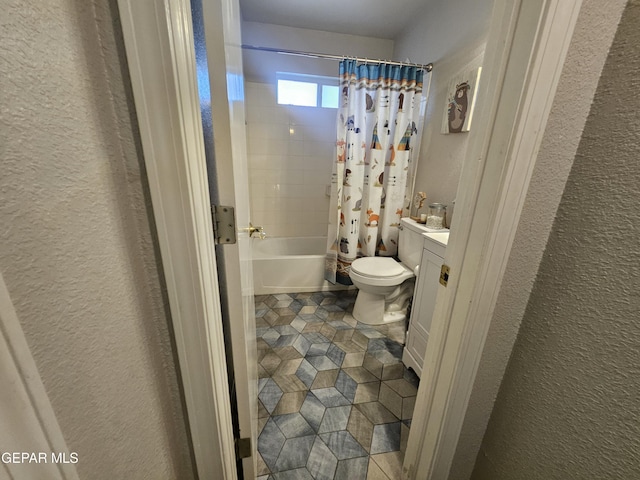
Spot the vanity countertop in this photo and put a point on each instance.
(441, 238)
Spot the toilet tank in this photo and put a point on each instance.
(410, 242)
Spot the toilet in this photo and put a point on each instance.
(385, 285)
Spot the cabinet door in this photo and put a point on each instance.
(428, 288)
(422, 311)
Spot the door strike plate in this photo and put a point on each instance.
(444, 275)
(224, 224)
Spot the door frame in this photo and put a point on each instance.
(523, 60)
(228, 174)
(158, 39)
(525, 53)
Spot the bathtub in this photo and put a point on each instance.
(290, 265)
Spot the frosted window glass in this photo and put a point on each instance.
(303, 94)
(329, 96)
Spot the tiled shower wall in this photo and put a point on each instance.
(290, 152)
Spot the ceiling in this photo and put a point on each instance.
(371, 18)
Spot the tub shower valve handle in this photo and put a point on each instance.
(259, 230)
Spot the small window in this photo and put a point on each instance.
(291, 92)
(307, 90)
(330, 96)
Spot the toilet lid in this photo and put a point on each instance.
(377, 267)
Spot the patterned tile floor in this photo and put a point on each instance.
(335, 401)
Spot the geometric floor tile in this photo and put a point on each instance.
(376, 413)
(322, 362)
(335, 419)
(367, 392)
(312, 410)
(386, 438)
(289, 383)
(318, 348)
(360, 374)
(325, 379)
(288, 367)
(354, 359)
(346, 385)
(391, 463)
(402, 387)
(335, 400)
(374, 472)
(360, 428)
(270, 395)
(270, 443)
(330, 397)
(290, 402)
(293, 425)
(322, 462)
(344, 446)
(390, 399)
(306, 373)
(373, 365)
(335, 354)
(297, 474)
(294, 453)
(392, 371)
(352, 469)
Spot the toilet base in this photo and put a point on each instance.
(375, 309)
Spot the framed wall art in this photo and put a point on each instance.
(461, 100)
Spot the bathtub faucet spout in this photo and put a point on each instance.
(259, 230)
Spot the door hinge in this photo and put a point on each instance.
(444, 275)
(243, 448)
(224, 224)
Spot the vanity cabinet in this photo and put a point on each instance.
(424, 300)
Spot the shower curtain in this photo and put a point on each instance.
(378, 118)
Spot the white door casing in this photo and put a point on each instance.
(159, 44)
(161, 58)
(525, 53)
(224, 54)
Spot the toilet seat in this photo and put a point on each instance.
(377, 267)
(379, 271)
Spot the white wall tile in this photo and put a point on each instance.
(317, 177)
(291, 154)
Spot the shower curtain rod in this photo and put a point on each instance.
(428, 67)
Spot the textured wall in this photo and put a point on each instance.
(77, 251)
(568, 405)
(442, 156)
(452, 35)
(579, 79)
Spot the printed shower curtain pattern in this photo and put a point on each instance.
(377, 126)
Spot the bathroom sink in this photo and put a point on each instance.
(441, 238)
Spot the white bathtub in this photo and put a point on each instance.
(290, 264)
